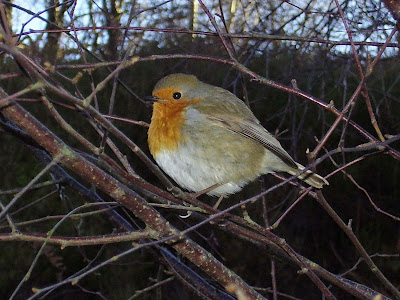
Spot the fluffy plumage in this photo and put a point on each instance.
(202, 135)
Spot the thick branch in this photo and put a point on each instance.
(159, 226)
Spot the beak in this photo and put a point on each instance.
(151, 99)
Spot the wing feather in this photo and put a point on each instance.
(255, 132)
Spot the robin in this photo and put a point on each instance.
(202, 136)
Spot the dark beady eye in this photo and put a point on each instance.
(177, 95)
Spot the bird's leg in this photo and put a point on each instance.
(205, 191)
(195, 195)
(218, 202)
(214, 186)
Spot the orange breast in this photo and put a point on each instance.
(165, 127)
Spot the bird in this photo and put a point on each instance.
(203, 136)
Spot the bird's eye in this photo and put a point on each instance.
(176, 95)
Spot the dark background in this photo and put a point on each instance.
(299, 46)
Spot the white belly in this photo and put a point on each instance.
(194, 175)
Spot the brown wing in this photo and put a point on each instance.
(255, 132)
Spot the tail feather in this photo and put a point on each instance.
(309, 177)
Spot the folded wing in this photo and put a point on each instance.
(255, 132)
